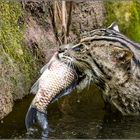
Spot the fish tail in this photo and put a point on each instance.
(30, 118)
(35, 116)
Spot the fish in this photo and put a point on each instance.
(57, 79)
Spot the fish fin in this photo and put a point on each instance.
(30, 118)
(54, 58)
(65, 92)
(35, 87)
(43, 68)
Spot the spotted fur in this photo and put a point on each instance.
(110, 60)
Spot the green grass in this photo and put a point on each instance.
(127, 15)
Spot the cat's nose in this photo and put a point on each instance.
(60, 50)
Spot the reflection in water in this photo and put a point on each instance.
(79, 115)
(13, 125)
(117, 126)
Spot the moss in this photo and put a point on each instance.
(20, 62)
(127, 15)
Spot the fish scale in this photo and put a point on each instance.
(55, 79)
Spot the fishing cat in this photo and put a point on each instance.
(111, 61)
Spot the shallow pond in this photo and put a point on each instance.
(80, 115)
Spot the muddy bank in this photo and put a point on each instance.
(28, 40)
(18, 66)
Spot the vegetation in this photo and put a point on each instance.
(127, 15)
(18, 58)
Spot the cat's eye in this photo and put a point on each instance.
(78, 48)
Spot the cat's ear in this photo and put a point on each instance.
(114, 26)
(121, 55)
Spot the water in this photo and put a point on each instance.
(80, 115)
